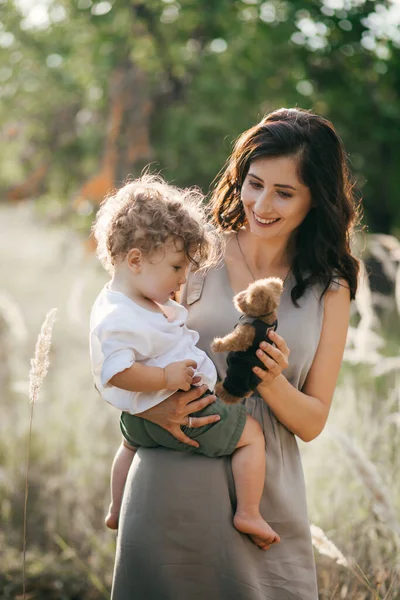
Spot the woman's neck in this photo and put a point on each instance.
(265, 256)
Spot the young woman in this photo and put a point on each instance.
(284, 201)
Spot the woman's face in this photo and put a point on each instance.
(275, 201)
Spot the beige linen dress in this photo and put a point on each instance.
(176, 539)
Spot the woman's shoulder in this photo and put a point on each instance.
(318, 290)
(337, 283)
(337, 296)
(331, 282)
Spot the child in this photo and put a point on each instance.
(148, 234)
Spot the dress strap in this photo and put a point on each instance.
(193, 287)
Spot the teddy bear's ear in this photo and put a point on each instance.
(274, 288)
(240, 301)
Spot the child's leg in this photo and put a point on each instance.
(119, 472)
(248, 466)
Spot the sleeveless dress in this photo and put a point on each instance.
(176, 539)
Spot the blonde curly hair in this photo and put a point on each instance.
(148, 212)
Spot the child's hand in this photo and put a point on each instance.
(179, 375)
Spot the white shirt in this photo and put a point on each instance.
(122, 332)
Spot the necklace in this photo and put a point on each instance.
(246, 264)
(244, 260)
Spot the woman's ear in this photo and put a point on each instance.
(134, 259)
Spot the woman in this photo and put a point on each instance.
(285, 203)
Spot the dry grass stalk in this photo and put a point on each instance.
(363, 343)
(39, 367)
(40, 362)
(391, 587)
(72, 554)
(397, 289)
(326, 547)
(370, 477)
(363, 298)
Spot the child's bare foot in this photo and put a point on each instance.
(111, 519)
(260, 532)
(261, 543)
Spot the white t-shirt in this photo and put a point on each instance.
(122, 332)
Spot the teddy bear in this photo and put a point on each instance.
(258, 303)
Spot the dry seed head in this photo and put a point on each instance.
(40, 361)
(325, 546)
(397, 289)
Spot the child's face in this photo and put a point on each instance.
(162, 274)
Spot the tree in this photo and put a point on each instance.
(94, 90)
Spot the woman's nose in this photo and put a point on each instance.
(264, 202)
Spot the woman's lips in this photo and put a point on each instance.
(265, 222)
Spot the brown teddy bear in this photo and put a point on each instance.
(258, 303)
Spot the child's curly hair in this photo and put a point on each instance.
(145, 213)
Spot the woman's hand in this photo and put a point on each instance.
(274, 358)
(174, 411)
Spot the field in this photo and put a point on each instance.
(352, 469)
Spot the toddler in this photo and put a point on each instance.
(148, 234)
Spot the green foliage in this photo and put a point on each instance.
(52, 575)
(212, 69)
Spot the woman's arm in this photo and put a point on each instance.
(173, 412)
(305, 412)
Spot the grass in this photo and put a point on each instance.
(39, 368)
(351, 469)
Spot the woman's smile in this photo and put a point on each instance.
(265, 222)
(273, 196)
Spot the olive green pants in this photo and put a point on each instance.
(217, 439)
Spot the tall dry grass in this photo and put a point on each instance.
(352, 469)
(69, 553)
(39, 368)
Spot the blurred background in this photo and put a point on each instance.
(93, 91)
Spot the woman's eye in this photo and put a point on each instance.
(177, 268)
(255, 185)
(284, 194)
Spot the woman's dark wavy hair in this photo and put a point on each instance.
(322, 244)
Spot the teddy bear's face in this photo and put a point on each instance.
(260, 298)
